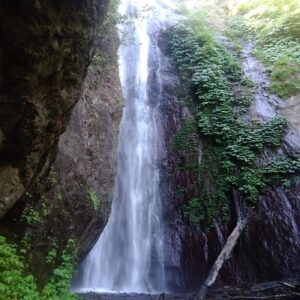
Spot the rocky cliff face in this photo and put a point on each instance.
(87, 152)
(59, 186)
(45, 51)
(183, 248)
(269, 248)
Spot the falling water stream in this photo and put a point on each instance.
(129, 255)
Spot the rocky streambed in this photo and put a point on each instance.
(289, 289)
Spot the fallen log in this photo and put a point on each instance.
(227, 249)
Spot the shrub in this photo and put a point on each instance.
(275, 27)
(16, 284)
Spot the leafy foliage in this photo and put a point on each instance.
(16, 284)
(232, 145)
(52, 253)
(59, 283)
(31, 216)
(279, 168)
(272, 18)
(275, 25)
(186, 138)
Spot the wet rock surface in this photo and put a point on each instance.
(45, 51)
(267, 290)
(269, 248)
(86, 162)
(41, 89)
(175, 228)
(266, 105)
(121, 296)
(289, 289)
(292, 111)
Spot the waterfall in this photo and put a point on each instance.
(128, 256)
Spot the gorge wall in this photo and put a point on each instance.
(45, 52)
(60, 108)
(58, 156)
(269, 248)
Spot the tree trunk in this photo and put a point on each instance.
(226, 251)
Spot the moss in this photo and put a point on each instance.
(94, 200)
(274, 26)
(285, 78)
(186, 138)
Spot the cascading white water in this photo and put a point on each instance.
(128, 257)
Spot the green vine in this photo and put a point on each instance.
(236, 145)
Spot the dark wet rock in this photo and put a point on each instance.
(86, 162)
(121, 296)
(269, 248)
(182, 247)
(288, 289)
(45, 50)
(266, 105)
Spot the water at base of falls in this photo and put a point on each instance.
(117, 296)
(129, 255)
